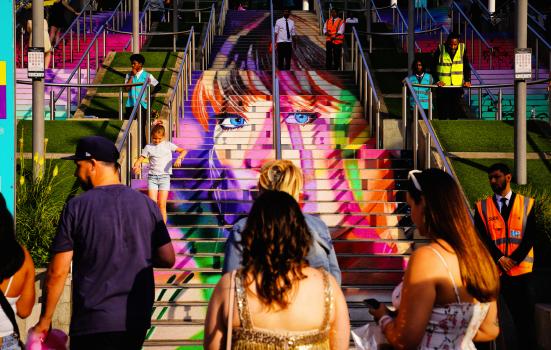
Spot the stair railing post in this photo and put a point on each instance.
(404, 114)
(369, 106)
(148, 113)
(88, 67)
(377, 122)
(21, 45)
(104, 34)
(140, 124)
(427, 150)
(68, 105)
(53, 58)
(84, 24)
(537, 59)
(63, 52)
(52, 104)
(97, 54)
(430, 103)
(129, 159)
(120, 104)
(480, 103)
(415, 135)
(500, 105)
(79, 82)
(78, 36)
(170, 121)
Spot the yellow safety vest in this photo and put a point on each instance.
(450, 72)
(507, 241)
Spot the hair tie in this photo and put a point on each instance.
(276, 175)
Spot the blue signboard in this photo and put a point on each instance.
(7, 104)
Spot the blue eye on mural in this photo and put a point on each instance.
(301, 118)
(233, 122)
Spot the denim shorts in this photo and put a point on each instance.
(158, 182)
(10, 342)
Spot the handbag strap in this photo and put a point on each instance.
(9, 312)
(230, 311)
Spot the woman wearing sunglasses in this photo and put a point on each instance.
(448, 296)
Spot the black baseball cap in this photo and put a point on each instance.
(95, 147)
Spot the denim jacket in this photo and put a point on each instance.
(321, 253)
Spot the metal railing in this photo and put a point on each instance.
(198, 12)
(400, 25)
(94, 43)
(368, 92)
(533, 36)
(468, 25)
(180, 91)
(538, 41)
(210, 32)
(498, 102)
(87, 24)
(67, 85)
(536, 16)
(401, 34)
(222, 16)
(144, 27)
(143, 35)
(318, 9)
(376, 9)
(126, 140)
(428, 138)
(276, 118)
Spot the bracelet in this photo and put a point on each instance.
(384, 321)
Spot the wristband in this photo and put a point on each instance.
(384, 321)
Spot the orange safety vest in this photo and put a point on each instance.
(331, 27)
(507, 237)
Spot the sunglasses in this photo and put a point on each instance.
(411, 176)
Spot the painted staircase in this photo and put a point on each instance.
(227, 132)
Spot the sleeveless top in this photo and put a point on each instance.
(451, 326)
(248, 337)
(6, 328)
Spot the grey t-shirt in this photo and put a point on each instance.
(160, 157)
(113, 232)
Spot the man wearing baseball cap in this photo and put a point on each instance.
(114, 236)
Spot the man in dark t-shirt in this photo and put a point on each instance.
(114, 237)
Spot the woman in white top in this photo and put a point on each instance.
(448, 296)
(16, 278)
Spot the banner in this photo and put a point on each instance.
(7, 104)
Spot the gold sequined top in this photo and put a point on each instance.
(247, 337)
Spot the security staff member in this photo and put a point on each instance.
(285, 33)
(505, 222)
(419, 76)
(334, 37)
(452, 69)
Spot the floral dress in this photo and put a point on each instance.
(451, 326)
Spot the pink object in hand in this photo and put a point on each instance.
(56, 339)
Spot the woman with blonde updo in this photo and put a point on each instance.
(283, 175)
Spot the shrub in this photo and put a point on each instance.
(38, 206)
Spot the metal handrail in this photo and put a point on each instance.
(86, 54)
(222, 16)
(143, 23)
(376, 9)
(368, 91)
(210, 32)
(181, 84)
(276, 125)
(318, 9)
(126, 137)
(404, 26)
(400, 33)
(72, 85)
(537, 14)
(75, 22)
(149, 33)
(473, 31)
(479, 87)
(432, 139)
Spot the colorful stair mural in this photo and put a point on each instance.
(227, 131)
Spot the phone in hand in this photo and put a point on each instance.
(372, 303)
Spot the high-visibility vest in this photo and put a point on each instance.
(422, 92)
(450, 72)
(332, 27)
(507, 237)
